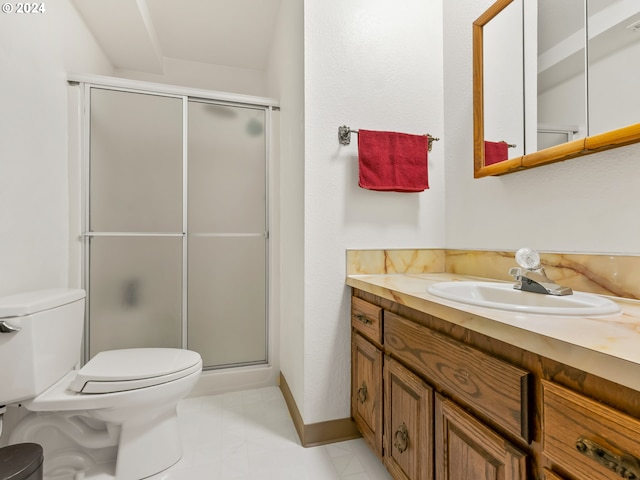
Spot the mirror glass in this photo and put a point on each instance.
(503, 80)
(553, 80)
(614, 70)
(560, 85)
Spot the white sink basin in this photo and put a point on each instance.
(504, 297)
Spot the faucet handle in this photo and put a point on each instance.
(528, 258)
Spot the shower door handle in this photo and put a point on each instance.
(6, 328)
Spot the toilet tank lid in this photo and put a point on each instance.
(28, 303)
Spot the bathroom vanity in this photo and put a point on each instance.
(443, 390)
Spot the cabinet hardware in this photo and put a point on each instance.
(363, 395)
(401, 438)
(625, 465)
(363, 318)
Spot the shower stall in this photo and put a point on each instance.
(176, 224)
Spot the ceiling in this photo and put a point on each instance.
(138, 35)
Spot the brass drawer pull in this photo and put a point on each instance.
(363, 318)
(627, 466)
(401, 438)
(363, 395)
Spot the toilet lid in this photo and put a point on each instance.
(119, 370)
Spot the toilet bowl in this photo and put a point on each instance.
(116, 415)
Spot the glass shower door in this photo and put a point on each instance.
(176, 245)
(135, 221)
(227, 234)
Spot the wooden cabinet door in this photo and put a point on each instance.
(408, 414)
(466, 449)
(366, 391)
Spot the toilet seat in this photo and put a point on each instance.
(140, 382)
(129, 369)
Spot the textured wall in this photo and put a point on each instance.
(203, 75)
(37, 51)
(583, 205)
(286, 83)
(370, 64)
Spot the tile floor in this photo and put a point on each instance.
(250, 435)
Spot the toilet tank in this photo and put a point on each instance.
(48, 344)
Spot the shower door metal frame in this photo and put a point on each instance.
(87, 83)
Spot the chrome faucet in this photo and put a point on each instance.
(531, 276)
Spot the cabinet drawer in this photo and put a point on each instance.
(490, 386)
(589, 439)
(367, 319)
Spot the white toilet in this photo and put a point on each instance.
(113, 418)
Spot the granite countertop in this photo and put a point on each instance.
(606, 346)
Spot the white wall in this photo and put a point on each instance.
(285, 79)
(589, 204)
(205, 76)
(36, 53)
(370, 64)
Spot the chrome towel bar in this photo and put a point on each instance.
(344, 136)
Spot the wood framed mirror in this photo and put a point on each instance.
(494, 155)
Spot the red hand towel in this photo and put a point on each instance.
(495, 152)
(390, 161)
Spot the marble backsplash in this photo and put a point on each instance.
(616, 275)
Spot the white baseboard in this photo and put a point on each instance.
(213, 382)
